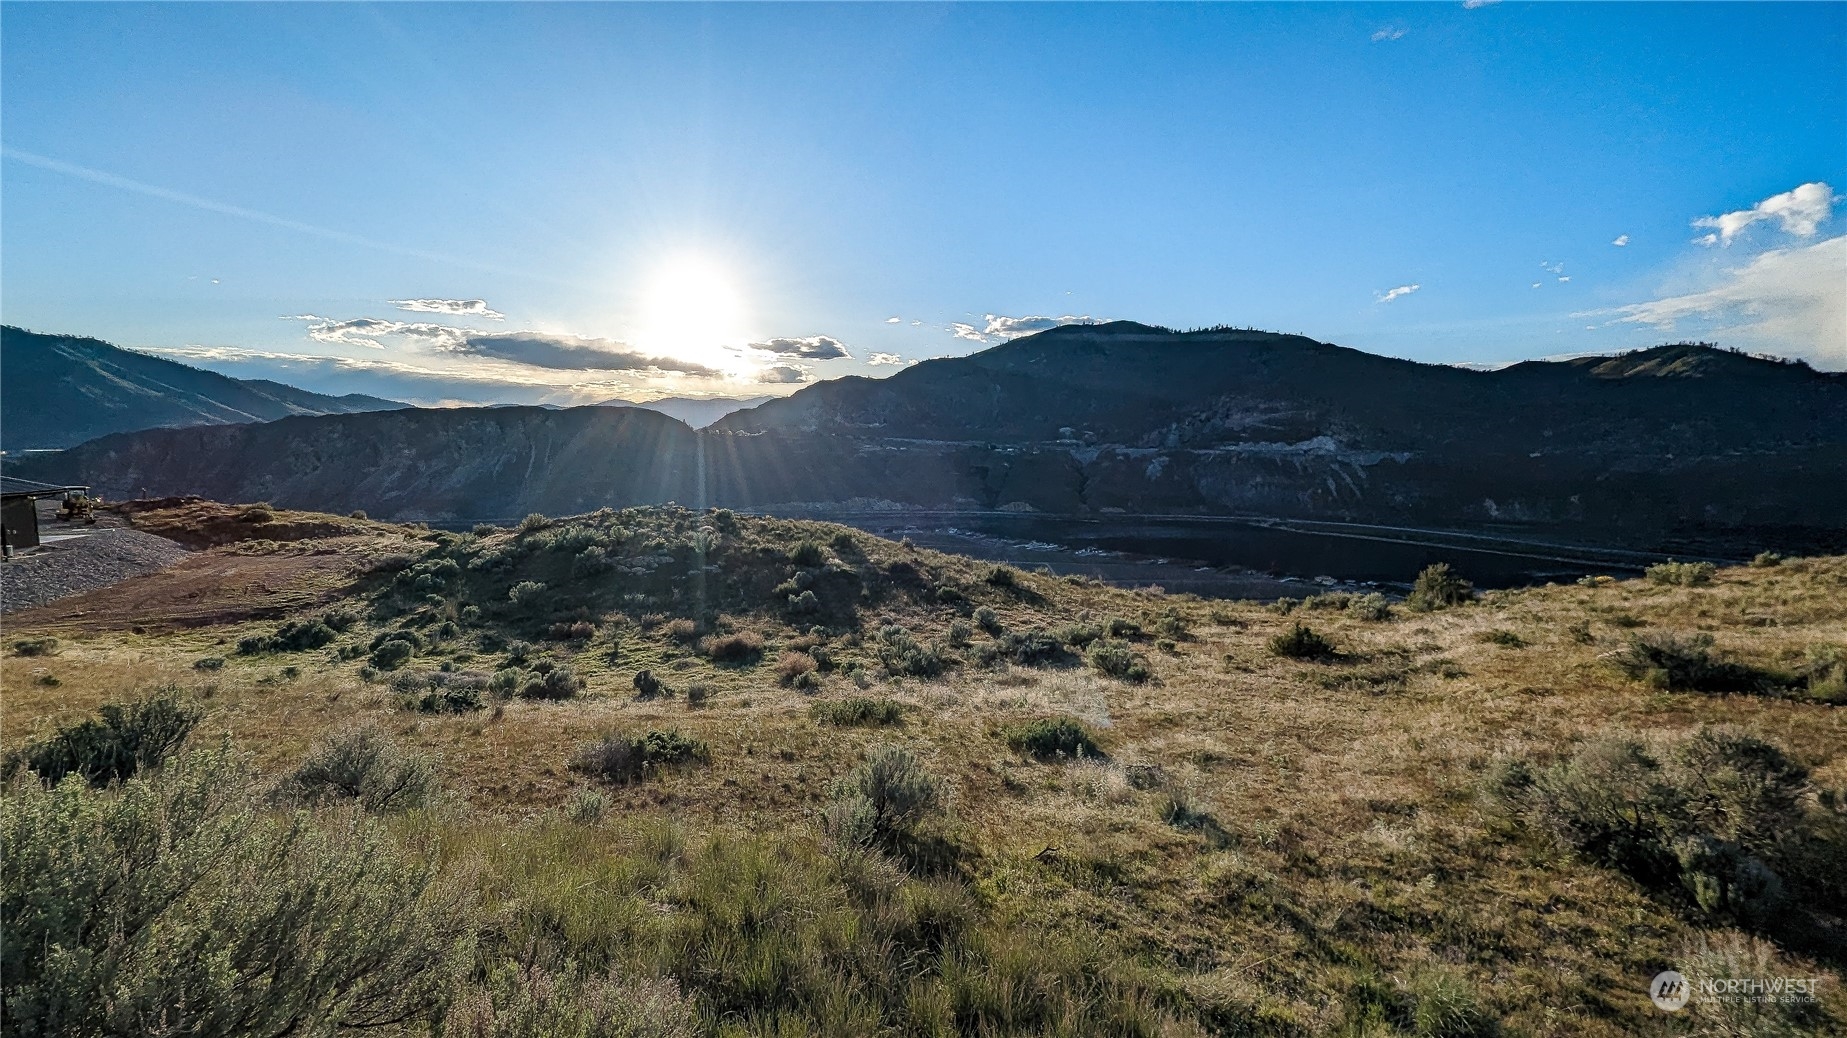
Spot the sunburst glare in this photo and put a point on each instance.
(691, 310)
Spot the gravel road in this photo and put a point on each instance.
(72, 567)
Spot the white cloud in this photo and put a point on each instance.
(1401, 290)
(1389, 32)
(1471, 5)
(1788, 301)
(916, 324)
(785, 373)
(1536, 284)
(1013, 327)
(452, 307)
(877, 359)
(967, 331)
(1621, 240)
(813, 347)
(1800, 211)
(530, 348)
(894, 320)
(1564, 278)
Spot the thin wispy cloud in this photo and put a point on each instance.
(812, 347)
(894, 320)
(1800, 211)
(877, 359)
(1389, 32)
(1788, 300)
(1395, 293)
(966, 331)
(1470, 5)
(452, 307)
(107, 179)
(1621, 240)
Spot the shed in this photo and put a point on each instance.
(19, 510)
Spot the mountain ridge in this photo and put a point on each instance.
(1106, 420)
(61, 390)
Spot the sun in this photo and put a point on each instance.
(691, 310)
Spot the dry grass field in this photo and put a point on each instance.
(1257, 844)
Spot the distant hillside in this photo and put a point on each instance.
(1660, 447)
(697, 412)
(60, 390)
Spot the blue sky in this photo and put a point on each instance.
(733, 200)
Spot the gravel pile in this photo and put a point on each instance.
(67, 568)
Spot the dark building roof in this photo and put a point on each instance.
(14, 487)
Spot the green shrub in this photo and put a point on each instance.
(1686, 664)
(533, 523)
(902, 656)
(527, 594)
(859, 710)
(1767, 560)
(1825, 674)
(807, 554)
(1028, 649)
(881, 799)
(1302, 643)
(181, 906)
(1438, 587)
(988, 620)
(1117, 627)
(1170, 624)
(208, 663)
(1369, 607)
(1050, 737)
(292, 636)
(647, 686)
(451, 699)
(619, 758)
(1711, 815)
(804, 603)
(35, 647)
(1683, 574)
(128, 738)
(556, 683)
(1505, 639)
(363, 766)
(1118, 661)
(1003, 577)
(391, 654)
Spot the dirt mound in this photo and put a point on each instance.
(198, 523)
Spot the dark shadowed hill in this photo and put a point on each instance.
(1663, 446)
(59, 390)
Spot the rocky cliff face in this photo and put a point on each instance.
(1099, 421)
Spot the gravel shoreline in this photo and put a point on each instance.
(72, 567)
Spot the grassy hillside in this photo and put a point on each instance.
(657, 771)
